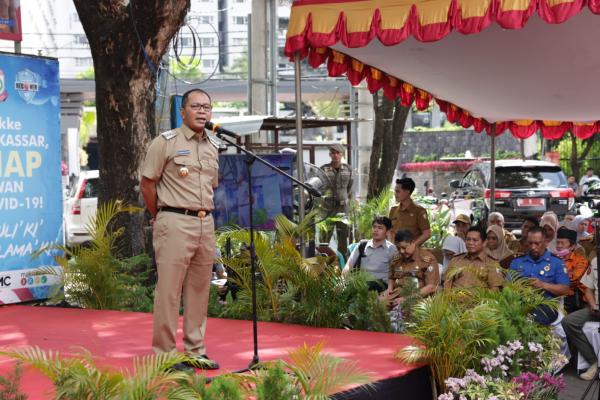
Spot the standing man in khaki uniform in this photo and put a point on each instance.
(341, 179)
(412, 263)
(179, 175)
(475, 268)
(407, 215)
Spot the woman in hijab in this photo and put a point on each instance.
(496, 246)
(580, 225)
(549, 223)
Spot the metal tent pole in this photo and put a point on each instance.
(300, 150)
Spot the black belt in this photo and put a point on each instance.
(185, 211)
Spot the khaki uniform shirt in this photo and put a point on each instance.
(341, 181)
(422, 268)
(517, 247)
(185, 168)
(411, 217)
(465, 271)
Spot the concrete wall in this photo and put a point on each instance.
(452, 142)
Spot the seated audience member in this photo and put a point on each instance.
(496, 246)
(497, 218)
(454, 245)
(576, 264)
(375, 256)
(569, 217)
(411, 264)
(405, 214)
(521, 246)
(474, 268)
(580, 225)
(545, 271)
(549, 225)
(573, 323)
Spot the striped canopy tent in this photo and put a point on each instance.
(494, 65)
(516, 65)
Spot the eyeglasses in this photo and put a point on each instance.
(198, 107)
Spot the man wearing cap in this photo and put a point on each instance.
(455, 245)
(179, 175)
(577, 265)
(407, 215)
(341, 179)
(574, 322)
(545, 271)
(475, 268)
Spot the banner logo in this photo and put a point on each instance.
(27, 84)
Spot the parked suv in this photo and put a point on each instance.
(523, 188)
(81, 206)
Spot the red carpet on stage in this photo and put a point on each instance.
(114, 338)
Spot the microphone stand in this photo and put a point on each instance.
(250, 158)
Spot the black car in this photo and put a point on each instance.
(523, 188)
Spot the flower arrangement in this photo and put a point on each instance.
(513, 371)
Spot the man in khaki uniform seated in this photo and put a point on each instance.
(407, 215)
(412, 263)
(179, 175)
(475, 268)
(521, 246)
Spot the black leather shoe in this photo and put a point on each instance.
(182, 367)
(201, 362)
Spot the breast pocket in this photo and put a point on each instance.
(186, 166)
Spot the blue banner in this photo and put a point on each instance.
(30, 173)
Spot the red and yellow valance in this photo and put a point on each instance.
(316, 26)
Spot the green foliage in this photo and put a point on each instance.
(296, 290)
(89, 73)
(276, 384)
(10, 384)
(187, 69)
(457, 328)
(239, 67)
(328, 108)
(310, 374)
(88, 120)
(92, 275)
(420, 158)
(363, 215)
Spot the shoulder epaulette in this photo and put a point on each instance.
(168, 135)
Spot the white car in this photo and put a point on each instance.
(81, 206)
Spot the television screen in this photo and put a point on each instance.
(272, 192)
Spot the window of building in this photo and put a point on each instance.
(185, 41)
(206, 19)
(208, 63)
(207, 42)
(84, 61)
(237, 41)
(74, 17)
(81, 40)
(240, 20)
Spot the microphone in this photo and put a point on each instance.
(220, 131)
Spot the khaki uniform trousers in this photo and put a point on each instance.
(184, 247)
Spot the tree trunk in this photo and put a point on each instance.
(574, 159)
(127, 41)
(390, 118)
